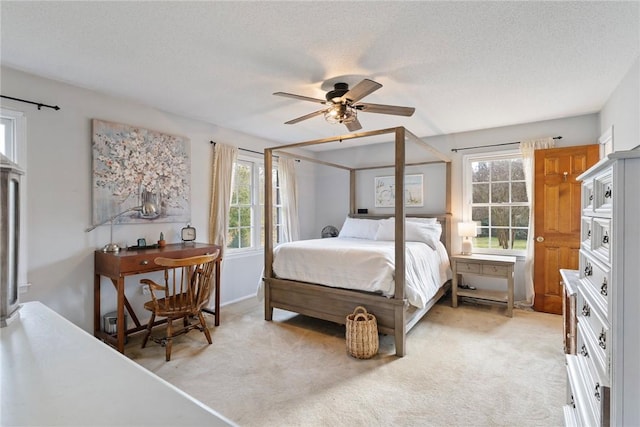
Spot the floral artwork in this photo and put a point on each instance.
(385, 187)
(132, 166)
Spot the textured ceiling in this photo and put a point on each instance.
(462, 65)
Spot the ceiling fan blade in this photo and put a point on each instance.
(353, 126)
(386, 109)
(362, 89)
(305, 117)
(300, 97)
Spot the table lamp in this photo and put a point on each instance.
(467, 230)
(147, 210)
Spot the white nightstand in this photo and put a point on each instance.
(484, 265)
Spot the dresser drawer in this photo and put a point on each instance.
(596, 275)
(569, 415)
(601, 238)
(603, 193)
(586, 232)
(577, 373)
(468, 267)
(596, 387)
(595, 335)
(587, 197)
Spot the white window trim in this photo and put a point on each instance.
(257, 248)
(20, 150)
(467, 195)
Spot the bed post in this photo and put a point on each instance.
(352, 191)
(268, 233)
(400, 327)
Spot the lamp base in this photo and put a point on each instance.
(467, 247)
(111, 247)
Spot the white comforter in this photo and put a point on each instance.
(366, 265)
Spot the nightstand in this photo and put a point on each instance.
(484, 265)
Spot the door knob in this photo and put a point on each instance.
(540, 239)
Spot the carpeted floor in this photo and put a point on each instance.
(468, 366)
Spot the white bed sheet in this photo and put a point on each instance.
(366, 265)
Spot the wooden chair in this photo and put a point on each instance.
(188, 283)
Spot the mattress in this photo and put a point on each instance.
(365, 265)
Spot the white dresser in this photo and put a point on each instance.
(604, 374)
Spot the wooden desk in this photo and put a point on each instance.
(116, 266)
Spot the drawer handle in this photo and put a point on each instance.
(588, 270)
(607, 193)
(589, 233)
(590, 197)
(586, 310)
(597, 391)
(603, 288)
(572, 402)
(584, 351)
(144, 262)
(605, 238)
(602, 339)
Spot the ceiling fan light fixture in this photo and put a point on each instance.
(341, 113)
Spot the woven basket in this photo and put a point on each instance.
(362, 334)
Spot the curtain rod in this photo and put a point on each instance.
(243, 149)
(252, 151)
(39, 104)
(455, 150)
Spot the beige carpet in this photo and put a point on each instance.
(469, 366)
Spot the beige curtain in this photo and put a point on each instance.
(527, 148)
(224, 157)
(289, 192)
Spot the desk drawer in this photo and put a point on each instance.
(138, 263)
(144, 262)
(468, 267)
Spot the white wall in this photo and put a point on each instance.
(60, 252)
(622, 110)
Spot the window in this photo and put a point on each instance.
(13, 144)
(7, 137)
(246, 213)
(496, 195)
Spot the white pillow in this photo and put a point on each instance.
(359, 228)
(422, 220)
(414, 232)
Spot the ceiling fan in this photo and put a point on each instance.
(343, 106)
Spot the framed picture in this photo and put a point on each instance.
(133, 166)
(385, 191)
(606, 142)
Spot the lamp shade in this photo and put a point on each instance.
(467, 229)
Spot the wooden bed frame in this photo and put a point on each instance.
(394, 315)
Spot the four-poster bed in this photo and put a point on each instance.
(394, 313)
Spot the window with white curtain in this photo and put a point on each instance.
(495, 197)
(246, 212)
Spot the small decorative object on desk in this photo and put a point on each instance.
(161, 242)
(188, 234)
(362, 334)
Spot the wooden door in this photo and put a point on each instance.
(557, 219)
